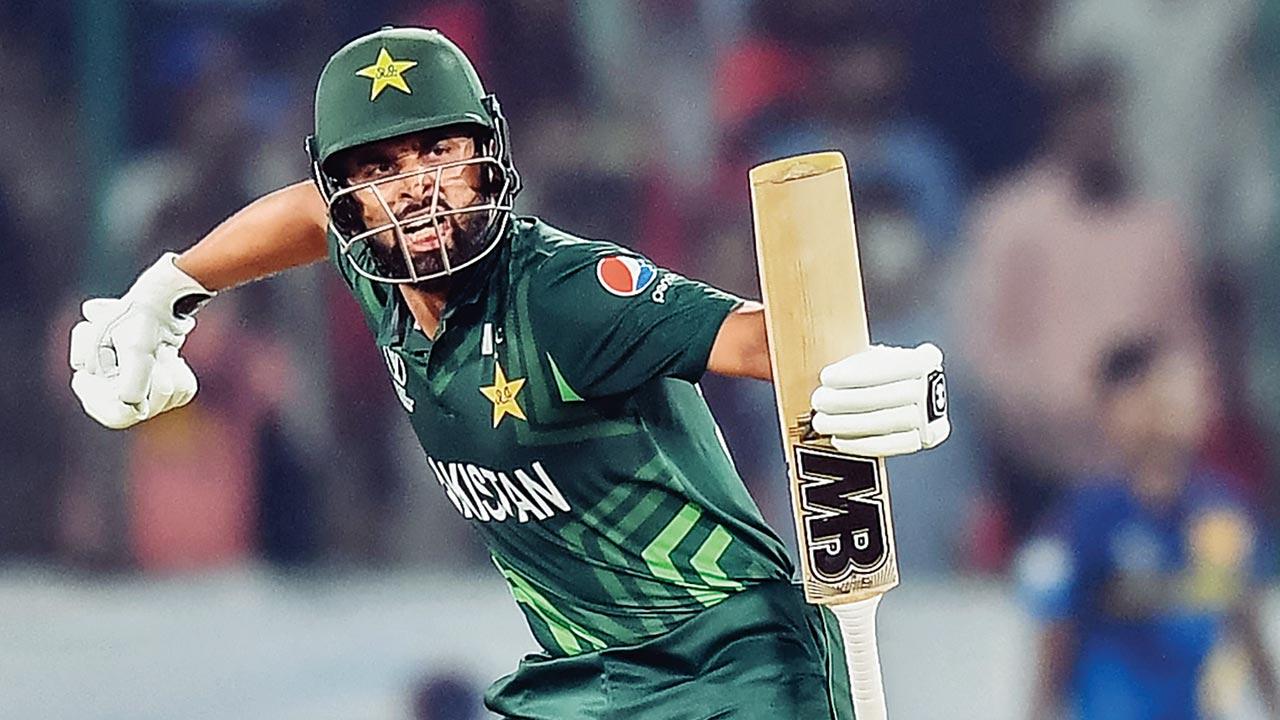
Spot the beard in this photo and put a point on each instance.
(462, 236)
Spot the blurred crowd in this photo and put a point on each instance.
(1041, 186)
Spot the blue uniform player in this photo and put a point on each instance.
(1144, 580)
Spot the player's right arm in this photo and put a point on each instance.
(279, 231)
(124, 354)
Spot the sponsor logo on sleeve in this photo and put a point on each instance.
(659, 294)
(625, 276)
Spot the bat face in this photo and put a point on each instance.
(806, 246)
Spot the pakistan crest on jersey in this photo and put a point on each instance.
(502, 393)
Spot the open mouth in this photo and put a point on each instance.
(421, 234)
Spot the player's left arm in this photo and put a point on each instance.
(879, 402)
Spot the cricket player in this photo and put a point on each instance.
(1146, 581)
(551, 382)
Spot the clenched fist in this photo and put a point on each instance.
(124, 353)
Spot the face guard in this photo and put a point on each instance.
(464, 235)
(392, 83)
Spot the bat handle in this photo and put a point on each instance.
(858, 626)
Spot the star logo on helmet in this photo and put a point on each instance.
(387, 72)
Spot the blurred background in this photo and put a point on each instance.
(1077, 199)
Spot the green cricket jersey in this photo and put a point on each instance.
(558, 411)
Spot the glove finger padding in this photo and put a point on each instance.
(174, 378)
(869, 424)
(901, 443)
(103, 311)
(881, 365)
(125, 353)
(100, 400)
(160, 390)
(866, 399)
(85, 337)
(136, 342)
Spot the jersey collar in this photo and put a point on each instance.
(398, 328)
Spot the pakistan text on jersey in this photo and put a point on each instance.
(493, 496)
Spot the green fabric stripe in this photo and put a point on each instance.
(589, 548)
(633, 584)
(708, 598)
(540, 629)
(566, 631)
(569, 423)
(641, 511)
(650, 470)
(681, 558)
(601, 515)
(706, 560)
(567, 393)
(657, 555)
(702, 594)
(560, 637)
(467, 348)
(611, 501)
(614, 519)
(626, 590)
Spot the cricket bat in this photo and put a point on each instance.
(807, 250)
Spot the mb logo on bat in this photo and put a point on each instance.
(844, 516)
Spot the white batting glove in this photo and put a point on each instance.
(883, 401)
(124, 353)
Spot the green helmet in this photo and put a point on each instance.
(393, 82)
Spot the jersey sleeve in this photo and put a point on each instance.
(609, 320)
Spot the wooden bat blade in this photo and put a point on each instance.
(806, 246)
(807, 249)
